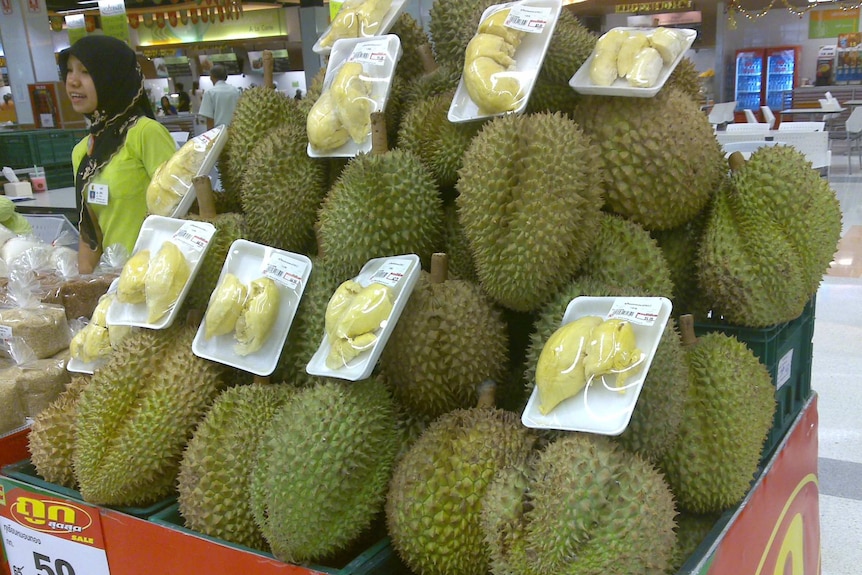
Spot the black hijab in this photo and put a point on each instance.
(119, 84)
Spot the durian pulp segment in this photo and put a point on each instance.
(357, 19)
(166, 277)
(353, 315)
(130, 288)
(258, 316)
(560, 369)
(488, 63)
(351, 94)
(323, 127)
(225, 306)
(612, 348)
(645, 69)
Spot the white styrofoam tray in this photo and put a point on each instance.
(155, 231)
(378, 67)
(385, 24)
(362, 365)
(528, 61)
(582, 84)
(249, 261)
(609, 411)
(219, 139)
(75, 365)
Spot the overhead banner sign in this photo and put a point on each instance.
(76, 26)
(660, 6)
(832, 23)
(114, 21)
(252, 24)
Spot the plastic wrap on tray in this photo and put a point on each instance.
(356, 19)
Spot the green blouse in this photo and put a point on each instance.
(127, 176)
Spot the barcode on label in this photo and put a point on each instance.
(190, 238)
(391, 272)
(621, 312)
(194, 235)
(369, 52)
(516, 21)
(284, 270)
(642, 311)
(528, 19)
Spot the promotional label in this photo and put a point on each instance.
(285, 270)
(391, 272)
(371, 52)
(785, 365)
(530, 19)
(51, 537)
(194, 235)
(642, 311)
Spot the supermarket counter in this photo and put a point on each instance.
(59, 201)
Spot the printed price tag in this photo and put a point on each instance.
(5, 332)
(97, 194)
(639, 310)
(391, 272)
(532, 19)
(49, 536)
(285, 270)
(194, 235)
(371, 52)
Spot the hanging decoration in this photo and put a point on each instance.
(735, 7)
(160, 19)
(90, 24)
(184, 17)
(221, 13)
(173, 18)
(205, 15)
(134, 21)
(148, 20)
(193, 15)
(56, 23)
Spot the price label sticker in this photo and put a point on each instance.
(194, 235)
(372, 52)
(5, 332)
(639, 310)
(52, 537)
(532, 19)
(391, 272)
(97, 194)
(285, 270)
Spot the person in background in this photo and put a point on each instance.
(183, 99)
(219, 102)
(167, 108)
(116, 161)
(7, 109)
(298, 95)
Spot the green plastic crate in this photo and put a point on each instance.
(18, 150)
(25, 472)
(377, 559)
(786, 350)
(55, 146)
(60, 176)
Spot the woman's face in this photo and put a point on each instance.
(80, 87)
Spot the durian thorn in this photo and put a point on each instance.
(439, 268)
(194, 317)
(487, 394)
(204, 194)
(379, 141)
(686, 329)
(736, 161)
(318, 239)
(261, 380)
(426, 56)
(267, 69)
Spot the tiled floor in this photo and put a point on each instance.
(836, 369)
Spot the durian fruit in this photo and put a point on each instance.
(629, 51)
(457, 247)
(130, 288)
(728, 415)
(655, 423)
(570, 46)
(225, 306)
(453, 24)
(282, 190)
(659, 154)
(680, 247)
(667, 42)
(448, 340)
(645, 69)
(581, 506)
(323, 467)
(441, 80)
(691, 530)
(52, 436)
(90, 343)
(625, 254)
(137, 414)
(228, 228)
(218, 460)
(257, 317)
(382, 205)
(685, 78)
(413, 37)
(258, 110)
(439, 143)
(529, 222)
(771, 236)
(167, 274)
(434, 507)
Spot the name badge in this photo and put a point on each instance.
(97, 194)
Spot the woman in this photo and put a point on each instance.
(115, 163)
(167, 108)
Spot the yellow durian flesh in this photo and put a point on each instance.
(367, 311)
(491, 86)
(166, 277)
(496, 24)
(371, 13)
(338, 303)
(646, 68)
(225, 306)
(258, 316)
(668, 43)
(612, 349)
(131, 287)
(560, 368)
(90, 344)
(490, 46)
(351, 93)
(100, 314)
(603, 69)
(343, 350)
(323, 126)
(628, 51)
(344, 25)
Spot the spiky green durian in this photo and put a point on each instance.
(441, 80)
(570, 46)
(727, 417)
(137, 414)
(413, 37)
(439, 143)
(52, 436)
(691, 530)
(282, 190)
(382, 205)
(530, 222)
(258, 110)
(680, 246)
(655, 423)
(448, 340)
(456, 246)
(229, 228)
(582, 506)
(434, 504)
(771, 236)
(547, 97)
(216, 463)
(660, 156)
(323, 468)
(625, 254)
(453, 24)
(686, 79)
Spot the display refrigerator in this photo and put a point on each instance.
(748, 84)
(766, 77)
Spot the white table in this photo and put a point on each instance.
(811, 111)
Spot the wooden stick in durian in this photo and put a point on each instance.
(439, 268)
(267, 69)
(204, 193)
(379, 140)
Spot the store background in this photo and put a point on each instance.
(838, 328)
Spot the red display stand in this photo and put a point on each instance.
(776, 529)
